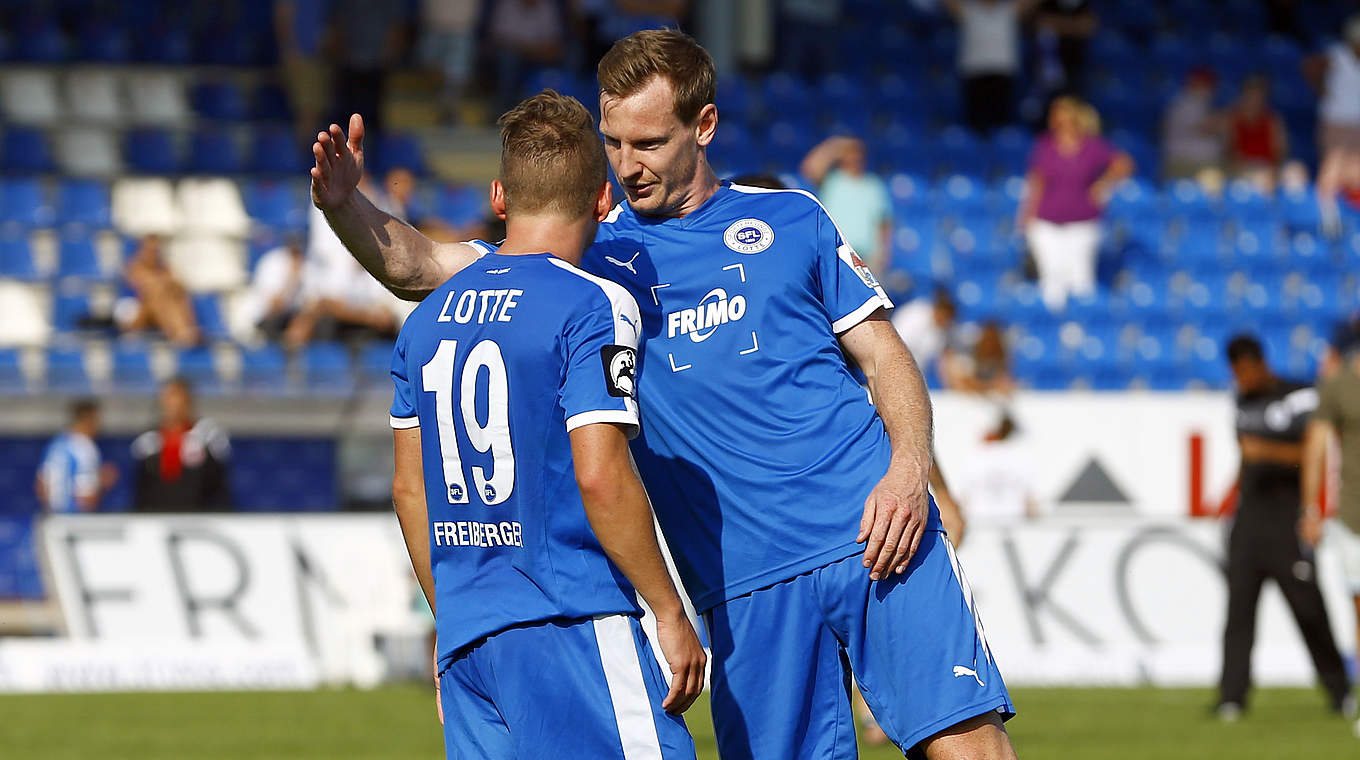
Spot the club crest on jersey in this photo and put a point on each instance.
(748, 236)
(620, 370)
(714, 309)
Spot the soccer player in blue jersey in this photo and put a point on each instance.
(766, 463)
(515, 398)
(70, 478)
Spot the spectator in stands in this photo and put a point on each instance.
(154, 298)
(399, 186)
(810, 34)
(1337, 418)
(998, 477)
(300, 27)
(1336, 75)
(181, 466)
(1063, 29)
(274, 296)
(369, 39)
(927, 327)
(989, 57)
(1072, 172)
(1271, 418)
(448, 44)
(856, 198)
(525, 34)
(1192, 131)
(71, 478)
(1338, 183)
(1258, 143)
(986, 369)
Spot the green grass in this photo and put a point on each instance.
(398, 722)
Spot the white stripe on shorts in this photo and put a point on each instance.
(628, 692)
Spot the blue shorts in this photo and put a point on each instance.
(783, 658)
(578, 688)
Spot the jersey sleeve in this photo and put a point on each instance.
(849, 290)
(403, 415)
(86, 475)
(600, 381)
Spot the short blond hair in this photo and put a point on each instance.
(552, 159)
(634, 60)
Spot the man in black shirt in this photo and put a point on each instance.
(181, 466)
(1264, 543)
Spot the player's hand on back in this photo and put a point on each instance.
(686, 659)
(894, 520)
(339, 164)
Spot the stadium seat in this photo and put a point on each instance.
(88, 152)
(325, 369)
(375, 363)
(199, 366)
(84, 202)
(398, 150)
(206, 263)
(26, 150)
(144, 206)
(92, 95)
(786, 95)
(12, 380)
(958, 194)
(30, 96)
(131, 371)
(263, 369)
(270, 103)
(219, 100)
(78, 256)
(152, 151)
(282, 204)
(66, 371)
(157, 98)
(276, 151)
(24, 200)
(212, 206)
(1188, 200)
(208, 314)
(213, 150)
(98, 40)
(16, 257)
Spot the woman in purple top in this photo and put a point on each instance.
(1071, 172)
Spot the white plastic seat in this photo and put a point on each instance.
(26, 310)
(213, 206)
(93, 95)
(158, 98)
(207, 263)
(29, 96)
(88, 152)
(145, 206)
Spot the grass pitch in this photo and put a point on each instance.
(398, 722)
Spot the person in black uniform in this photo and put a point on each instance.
(181, 466)
(1264, 543)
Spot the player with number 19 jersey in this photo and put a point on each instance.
(496, 367)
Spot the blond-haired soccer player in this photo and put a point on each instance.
(527, 527)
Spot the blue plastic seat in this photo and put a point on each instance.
(277, 203)
(151, 151)
(214, 151)
(326, 369)
(198, 365)
(276, 151)
(100, 41)
(83, 202)
(460, 204)
(786, 94)
(400, 150)
(26, 150)
(132, 369)
(16, 261)
(1187, 199)
(221, 100)
(23, 200)
(66, 371)
(78, 257)
(375, 362)
(208, 314)
(38, 37)
(270, 104)
(958, 194)
(12, 381)
(263, 369)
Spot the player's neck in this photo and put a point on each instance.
(566, 239)
(703, 187)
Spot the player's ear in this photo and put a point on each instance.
(498, 199)
(604, 201)
(706, 125)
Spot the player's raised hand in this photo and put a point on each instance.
(686, 658)
(894, 520)
(339, 164)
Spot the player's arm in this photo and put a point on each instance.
(1314, 458)
(1257, 448)
(408, 499)
(896, 512)
(406, 262)
(617, 508)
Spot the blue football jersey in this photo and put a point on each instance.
(69, 471)
(496, 367)
(760, 446)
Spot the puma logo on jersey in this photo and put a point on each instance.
(960, 671)
(714, 309)
(625, 264)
